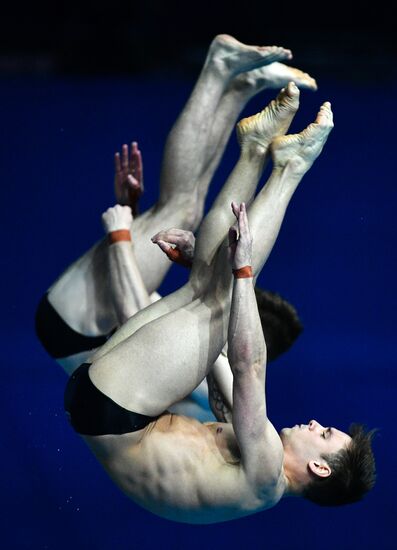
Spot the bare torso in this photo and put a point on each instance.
(184, 471)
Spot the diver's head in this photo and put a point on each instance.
(327, 466)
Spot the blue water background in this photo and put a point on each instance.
(335, 260)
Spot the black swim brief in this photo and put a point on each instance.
(91, 412)
(58, 339)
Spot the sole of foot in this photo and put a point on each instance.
(274, 120)
(299, 151)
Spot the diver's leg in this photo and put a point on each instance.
(167, 358)
(186, 149)
(80, 296)
(292, 156)
(255, 134)
(190, 145)
(239, 91)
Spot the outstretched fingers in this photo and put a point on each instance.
(124, 158)
(136, 165)
(243, 221)
(235, 209)
(240, 211)
(128, 176)
(117, 163)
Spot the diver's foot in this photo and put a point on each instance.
(232, 57)
(299, 151)
(260, 129)
(273, 76)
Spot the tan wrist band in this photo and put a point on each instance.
(243, 272)
(119, 235)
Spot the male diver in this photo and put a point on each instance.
(118, 401)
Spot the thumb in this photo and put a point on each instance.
(172, 253)
(165, 247)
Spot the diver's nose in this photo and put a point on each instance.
(313, 424)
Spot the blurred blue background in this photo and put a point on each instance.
(63, 116)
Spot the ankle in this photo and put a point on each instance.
(254, 152)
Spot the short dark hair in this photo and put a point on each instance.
(352, 472)
(280, 322)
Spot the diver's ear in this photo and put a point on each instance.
(320, 469)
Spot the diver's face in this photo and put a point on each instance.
(311, 441)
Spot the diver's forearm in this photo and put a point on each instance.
(127, 288)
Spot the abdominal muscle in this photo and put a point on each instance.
(180, 469)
